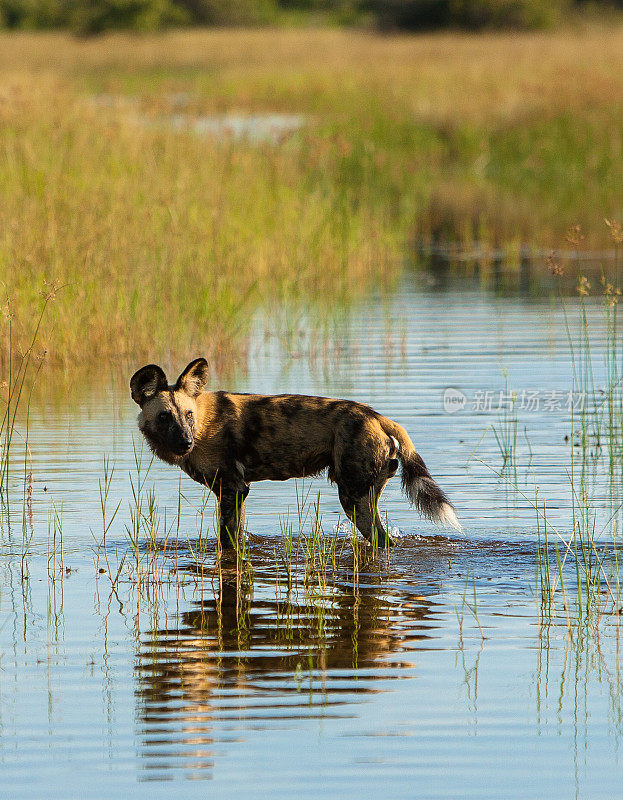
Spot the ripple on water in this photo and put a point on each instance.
(346, 675)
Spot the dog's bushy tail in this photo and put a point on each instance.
(417, 482)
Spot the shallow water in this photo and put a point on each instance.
(429, 672)
(271, 128)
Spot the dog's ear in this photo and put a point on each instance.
(194, 377)
(147, 382)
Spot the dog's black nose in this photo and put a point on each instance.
(182, 443)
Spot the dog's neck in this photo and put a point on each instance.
(206, 418)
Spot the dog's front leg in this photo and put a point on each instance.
(232, 498)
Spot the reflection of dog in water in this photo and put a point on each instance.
(226, 441)
(238, 657)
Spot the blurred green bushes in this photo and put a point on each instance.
(94, 16)
(470, 14)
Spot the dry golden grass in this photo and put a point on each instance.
(165, 242)
(442, 78)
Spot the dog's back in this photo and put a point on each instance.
(276, 437)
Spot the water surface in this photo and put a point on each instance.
(431, 672)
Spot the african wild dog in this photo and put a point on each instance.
(226, 441)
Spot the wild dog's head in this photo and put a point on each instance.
(168, 413)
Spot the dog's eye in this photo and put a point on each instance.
(189, 415)
(163, 416)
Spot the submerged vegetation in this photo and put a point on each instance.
(165, 237)
(16, 391)
(191, 644)
(124, 177)
(595, 472)
(169, 194)
(578, 564)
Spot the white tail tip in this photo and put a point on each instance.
(448, 517)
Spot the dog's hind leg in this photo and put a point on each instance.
(364, 512)
(362, 468)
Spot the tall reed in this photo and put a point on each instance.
(594, 457)
(168, 240)
(21, 371)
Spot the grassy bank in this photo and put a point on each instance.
(164, 241)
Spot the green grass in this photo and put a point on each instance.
(590, 547)
(166, 242)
